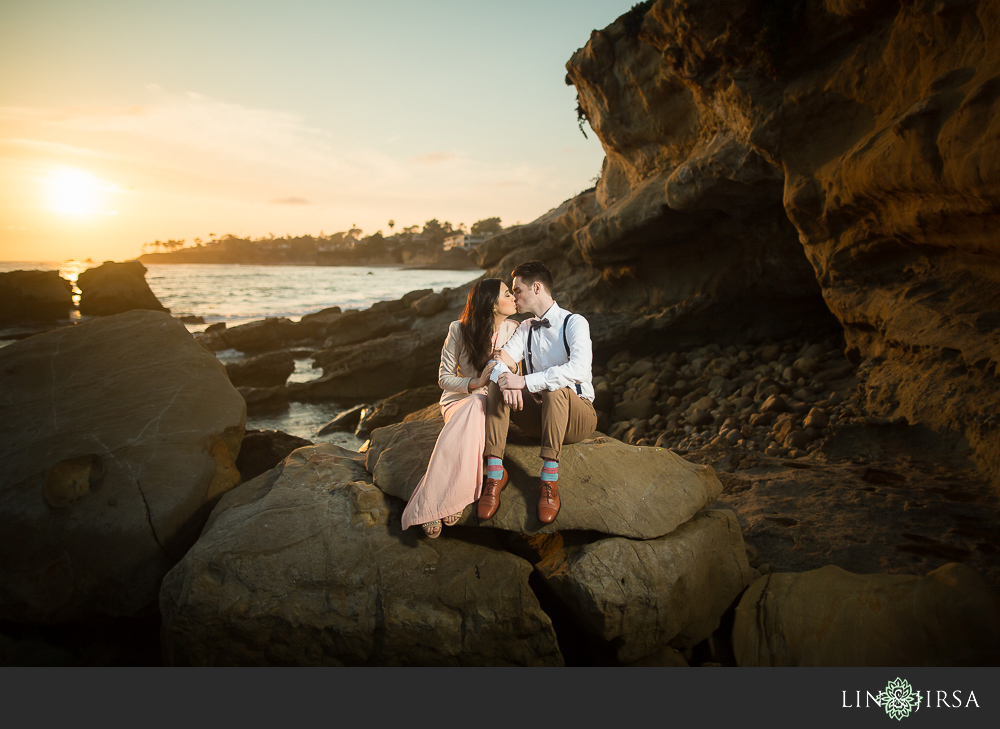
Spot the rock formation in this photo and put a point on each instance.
(394, 409)
(949, 617)
(262, 450)
(31, 296)
(113, 288)
(264, 370)
(381, 367)
(346, 422)
(262, 400)
(771, 164)
(117, 436)
(305, 565)
(643, 595)
(642, 493)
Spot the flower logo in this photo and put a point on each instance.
(898, 699)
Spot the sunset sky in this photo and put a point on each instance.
(124, 121)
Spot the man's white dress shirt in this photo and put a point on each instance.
(550, 368)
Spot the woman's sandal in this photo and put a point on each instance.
(452, 520)
(432, 528)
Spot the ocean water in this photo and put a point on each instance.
(239, 294)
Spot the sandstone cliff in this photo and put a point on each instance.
(775, 162)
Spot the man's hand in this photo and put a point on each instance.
(513, 399)
(510, 381)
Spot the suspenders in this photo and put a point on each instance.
(531, 367)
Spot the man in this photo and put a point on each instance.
(554, 400)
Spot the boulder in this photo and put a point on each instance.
(831, 617)
(254, 337)
(262, 400)
(264, 370)
(353, 326)
(605, 485)
(641, 596)
(347, 421)
(604, 398)
(410, 298)
(431, 412)
(394, 409)
(639, 408)
(263, 450)
(117, 436)
(113, 288)
(28, 296)
(551, 232)
(376, 368)
(330, 313)
(306, 565)
(430, 305)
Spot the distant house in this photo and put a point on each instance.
(463, 240)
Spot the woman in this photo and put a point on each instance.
(455, 472)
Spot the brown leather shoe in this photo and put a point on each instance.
(548, 501)
(489, 500)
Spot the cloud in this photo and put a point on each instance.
(290, 201)
(433, 158)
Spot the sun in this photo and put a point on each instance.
(74, 192)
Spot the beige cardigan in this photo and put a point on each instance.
(456, 371)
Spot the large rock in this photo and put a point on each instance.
(346, 422)
(643, 595)
(116, 437)
(262, 450)
(430, 305)
(255, 337)
(27, 296)
(263, 400)
(264, 370)
(376, 368)
(604, 485)
(113, 288)
(431, 412)
(830, 617)
(305, 565)
(394, 409)
(551, 233)
(353, 326)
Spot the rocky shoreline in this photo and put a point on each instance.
(875, 498)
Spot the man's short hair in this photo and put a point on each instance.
(531, 272)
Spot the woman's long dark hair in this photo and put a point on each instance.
(477, 321)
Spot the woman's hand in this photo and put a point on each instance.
(484, 378)
(499, 354)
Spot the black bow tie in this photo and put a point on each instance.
(538, 323)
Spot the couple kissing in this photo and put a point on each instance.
(494, 371)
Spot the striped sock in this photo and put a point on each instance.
(494, 467)
(550, 470)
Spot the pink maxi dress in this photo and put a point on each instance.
(454, 477)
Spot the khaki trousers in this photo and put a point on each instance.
(558, 417)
